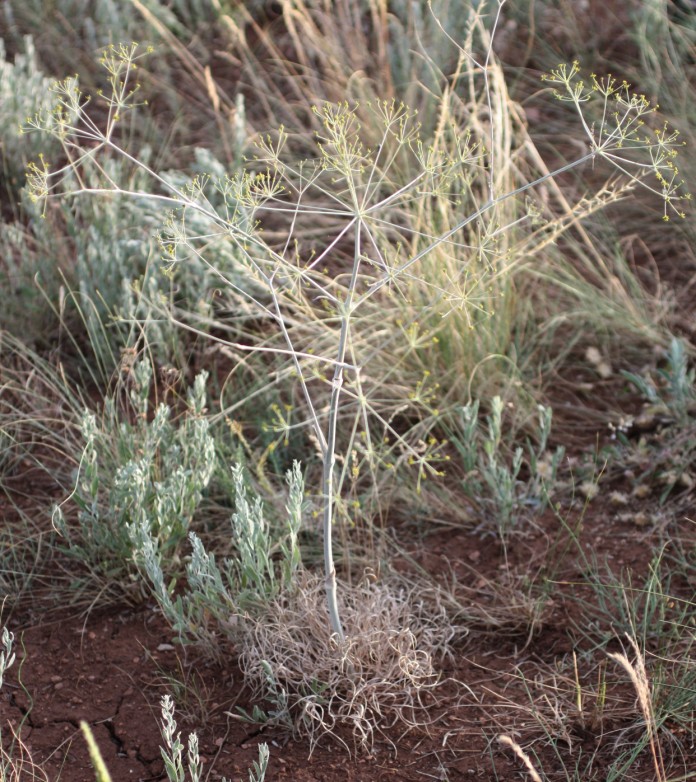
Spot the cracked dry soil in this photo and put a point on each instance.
(112, 667)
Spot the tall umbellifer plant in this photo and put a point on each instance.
(324, 238)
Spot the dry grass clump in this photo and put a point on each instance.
(381, 675)
(17, 765)
(639, 679)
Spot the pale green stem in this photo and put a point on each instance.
(330, 452)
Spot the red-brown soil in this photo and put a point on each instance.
(111, 667)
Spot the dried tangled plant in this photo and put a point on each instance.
(380, 675)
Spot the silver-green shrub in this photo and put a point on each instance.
(218, 597)
(493, 470)
(138, 478)
(7, 656)
(173, 752)
(24, 92)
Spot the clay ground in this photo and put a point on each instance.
(110, 667)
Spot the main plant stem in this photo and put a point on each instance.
(328, 490)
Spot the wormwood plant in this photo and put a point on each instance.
(7, 658)
(15, 758)
(330, 237)
(173, 752)
(490, 473)
(673, 390)
(23, 90)
(175, 762)
(154, 474)
(660, 457)
(220, 594)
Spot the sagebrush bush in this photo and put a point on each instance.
(493, 478)
(24, 91)
(218, 596)
(136, 476)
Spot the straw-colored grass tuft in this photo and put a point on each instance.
(381, 675)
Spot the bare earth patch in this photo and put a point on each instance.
(512, 674)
